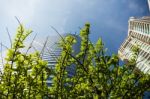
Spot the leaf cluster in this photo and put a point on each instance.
(91, 73)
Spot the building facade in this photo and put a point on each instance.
(51, 51)
(138, 34)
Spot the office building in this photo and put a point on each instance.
(138, 35)
(51, 51)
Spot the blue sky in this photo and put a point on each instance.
(108, 18)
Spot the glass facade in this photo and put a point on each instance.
(52, 51)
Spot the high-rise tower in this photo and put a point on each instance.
(138, 34)
(51, 51)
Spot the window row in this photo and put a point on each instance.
(140, 26)
(144, 46)
(140, 37)
(144, 49)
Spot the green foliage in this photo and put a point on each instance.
(97, 75)
(24, 74)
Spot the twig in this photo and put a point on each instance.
(9, 37)
(42, 51)
(2, 55)
(4, 46)
(58, 33)
(31, 44)
(18, 20)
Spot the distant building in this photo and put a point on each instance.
(138, 34)
(52, 51)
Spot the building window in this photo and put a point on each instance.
(148, 29)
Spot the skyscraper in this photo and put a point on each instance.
(51, 51)
(138, 34)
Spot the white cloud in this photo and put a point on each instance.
(64, 15)
(24, 9)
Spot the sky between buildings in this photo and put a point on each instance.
(108, 18)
